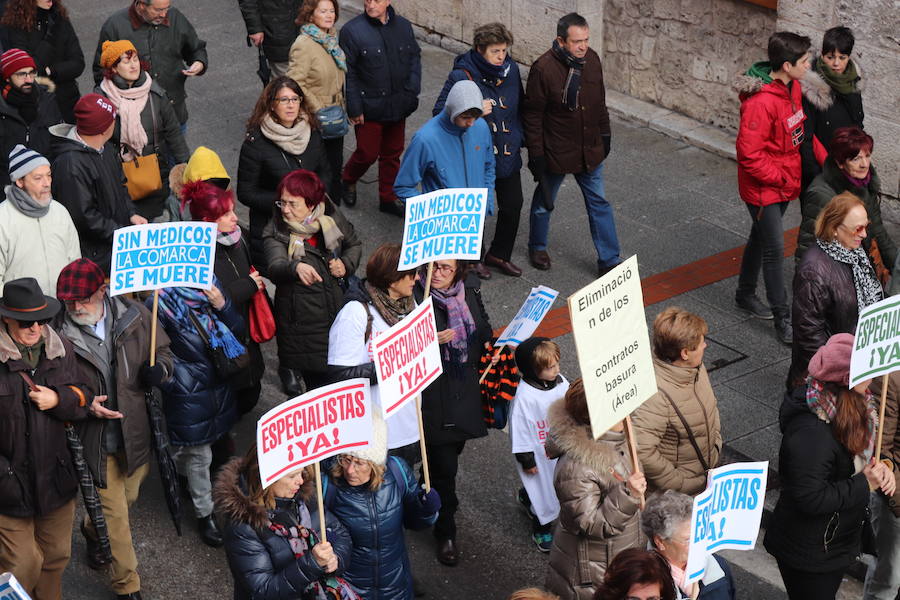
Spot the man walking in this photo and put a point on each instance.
(567, 131)
(166, 39)
(111, 336)
(384, 73)
(270, 24)
(27, 109)
(42, 390)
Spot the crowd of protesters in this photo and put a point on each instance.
(80, 367)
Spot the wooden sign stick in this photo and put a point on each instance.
(884, 387)
(321, 502)
(153, 328)
(632, 446)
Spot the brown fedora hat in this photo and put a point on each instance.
(23, 300)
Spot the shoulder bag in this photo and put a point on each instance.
(142, 176)
(687, 428)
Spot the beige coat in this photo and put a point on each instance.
(598, 518)
(664, 448)
(316, 73)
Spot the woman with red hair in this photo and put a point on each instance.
(311, 249)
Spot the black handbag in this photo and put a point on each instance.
(226, 368)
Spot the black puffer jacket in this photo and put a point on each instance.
(824, 304)
(52, 44)
(91, 186)
(304, 313)
(36, 135)
(816, 525)
(263, 564)
(451, 406)
(384, 67)
(261, 166)
(275, 19)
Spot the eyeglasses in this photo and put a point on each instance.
(859, 229)
(26, 74)
(287, 204)
(30, 324)
(445, 269)
(291, 100)
(347, 461)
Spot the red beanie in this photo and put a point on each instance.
(831, 362)
(14, 60)
(94, 114)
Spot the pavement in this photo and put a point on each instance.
(676, 205)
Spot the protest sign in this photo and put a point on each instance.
(161, 255)
(407, 358)
(11, 589)
(530, 315)
(443, 224)
(321, 423)
(876, 350)
(612, 345)
(727, 514)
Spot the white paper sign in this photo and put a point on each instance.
(443, 224)
(11, 589)
(727, 514)
(613, 346)
(407, 358)
(321, 423)
(162, 255)
(876, 350)
(530, 315)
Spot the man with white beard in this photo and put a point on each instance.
(37, 236)
(111, 336)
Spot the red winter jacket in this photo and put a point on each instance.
(768, 141)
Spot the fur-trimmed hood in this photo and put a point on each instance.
(53, 346)
(817, 91)
(574, 440)
(230, 496)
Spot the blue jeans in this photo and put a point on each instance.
(883, 581)
(599, 211)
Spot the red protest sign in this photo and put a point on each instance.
(321, 423)
(407, 358)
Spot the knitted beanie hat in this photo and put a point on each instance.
(13, 60)
(375, 452)
(23, 161)
(831, 362)
(113, 51)
(94, 114)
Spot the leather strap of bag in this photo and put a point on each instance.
(28, 380)
(687, 428)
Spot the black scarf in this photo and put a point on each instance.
(573, 79)
(26, 104)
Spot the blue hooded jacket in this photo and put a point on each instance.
(444, 155)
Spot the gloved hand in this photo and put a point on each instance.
(538, 166)
(607, 144)
(430, 500)
(151, 376)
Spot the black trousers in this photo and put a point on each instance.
(509, 208)
(765, 251)
(443, 463)
(803, 585)
(334, 152)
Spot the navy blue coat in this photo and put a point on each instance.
(200, 407)
(504, 121)
(384, 67)
(379, 565)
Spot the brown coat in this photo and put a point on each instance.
(598, 518)
(664, 448)
(36, 471)
(890, 446)
(316, 73)
(570, 140)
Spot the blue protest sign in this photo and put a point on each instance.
(530, 315)
(161, 255)
(443, 224)
(727, 514)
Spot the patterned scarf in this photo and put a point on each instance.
(845, 83)
(390, 309)
(822, 400)
(130, 103)
(229, 239)
(868, 288)
(316, 222)
(328, 41)
(459, 319)
(177, 302)
(573, 79)
(292, 140)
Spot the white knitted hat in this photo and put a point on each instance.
(377, 450)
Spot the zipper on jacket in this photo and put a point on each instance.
(373, 514)
(465, 166)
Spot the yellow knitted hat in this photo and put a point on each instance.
(112, 51)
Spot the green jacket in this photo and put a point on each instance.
(168, 48)
(828, 184)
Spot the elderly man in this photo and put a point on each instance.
(42, 390)
(166, 39)
(89, 180)
(37, 236)
(567, 131)
(27, 109)
(271, 24)
(111, 336)
(384, 73)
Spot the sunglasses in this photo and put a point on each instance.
(856, 230)
(30, 324)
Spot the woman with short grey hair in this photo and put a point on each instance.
(666, 522)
